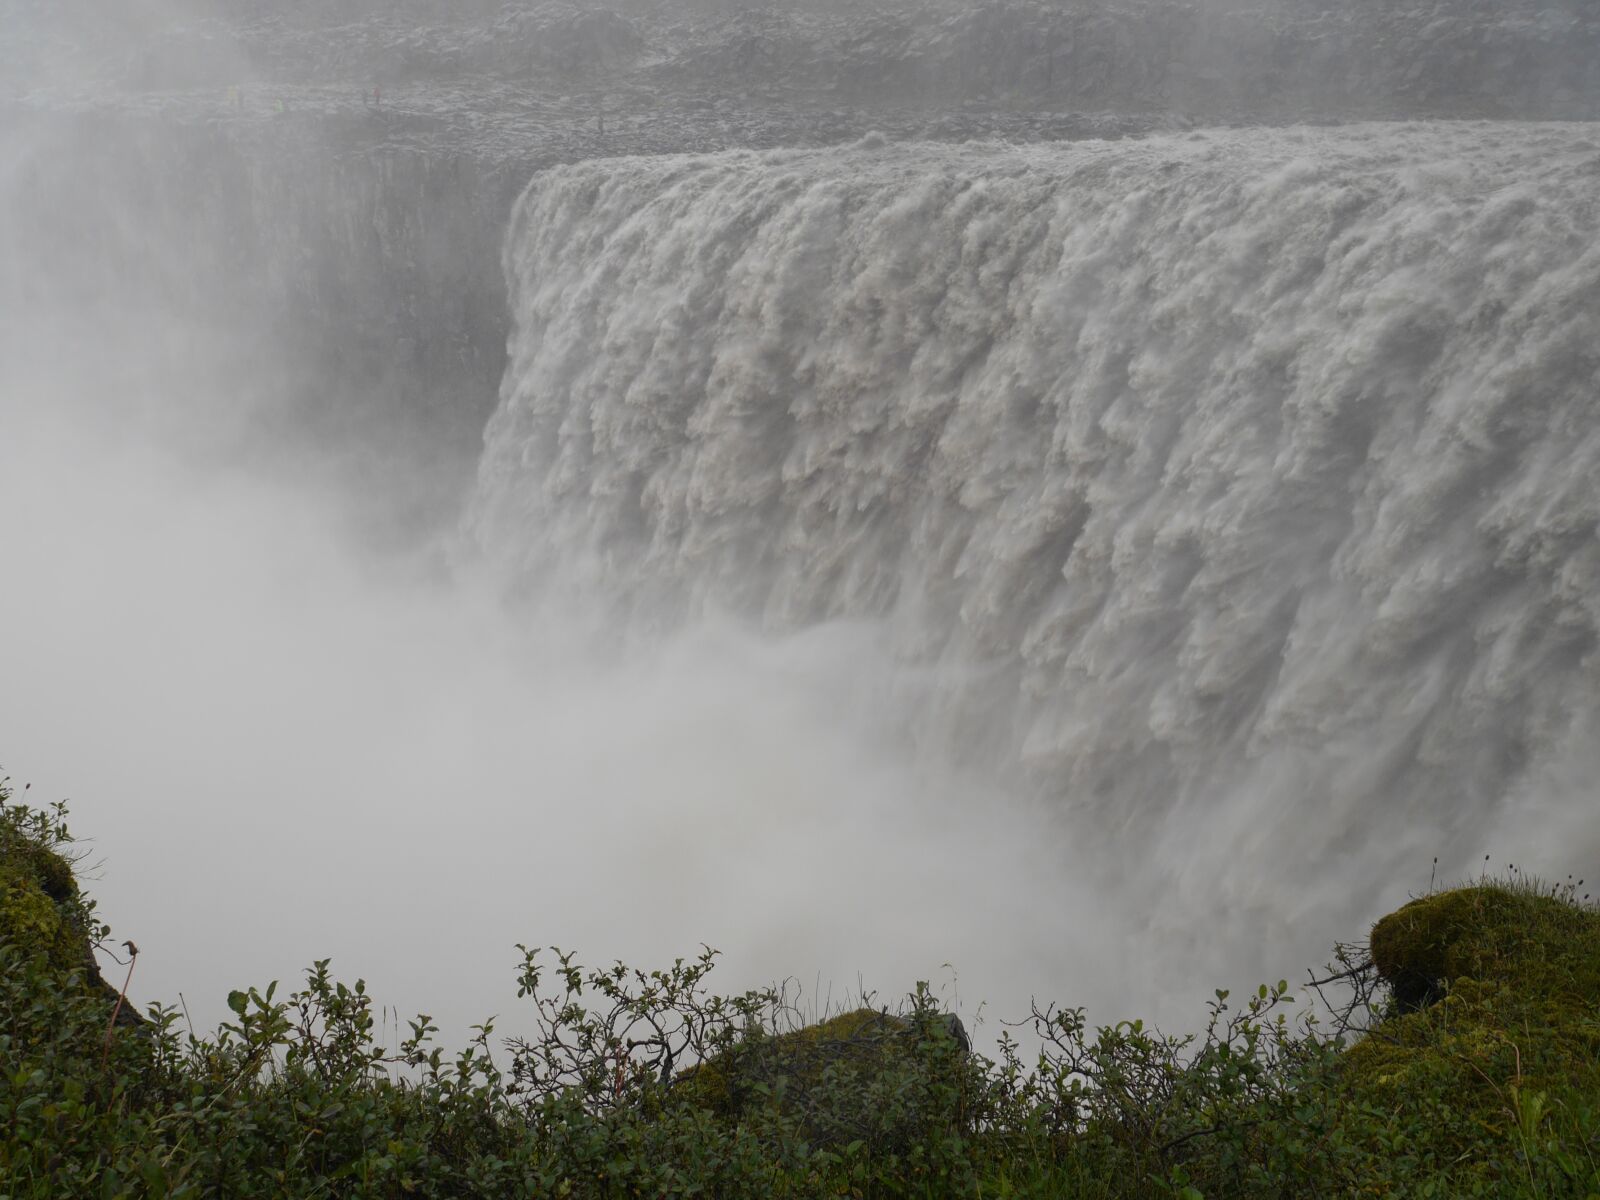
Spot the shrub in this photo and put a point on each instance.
(1463, 1063)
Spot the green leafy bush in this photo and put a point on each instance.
(1463, 1063)
(40, 907)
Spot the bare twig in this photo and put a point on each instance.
(116, 1011)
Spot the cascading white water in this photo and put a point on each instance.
(1244, 487)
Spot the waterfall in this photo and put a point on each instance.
(1242, 487)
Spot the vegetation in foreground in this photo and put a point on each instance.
(1462, 1058)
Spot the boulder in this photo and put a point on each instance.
(869, 1076)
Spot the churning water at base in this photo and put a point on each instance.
(1241, 488)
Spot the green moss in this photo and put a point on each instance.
(1491, 932)
(723, 1084)
(40, 909)
(853, 1051)
(1498, 1000)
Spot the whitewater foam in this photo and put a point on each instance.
(1242, 485)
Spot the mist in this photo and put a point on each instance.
(281, 745)
(994, 494)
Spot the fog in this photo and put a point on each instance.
(285, 737)
(397, 570)
(281, 746)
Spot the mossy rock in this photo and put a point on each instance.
(40, 909)
(821, 1068)
(42, 912)
(1497, 992)
(1487, 933)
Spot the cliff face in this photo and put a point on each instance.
(340, 291)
